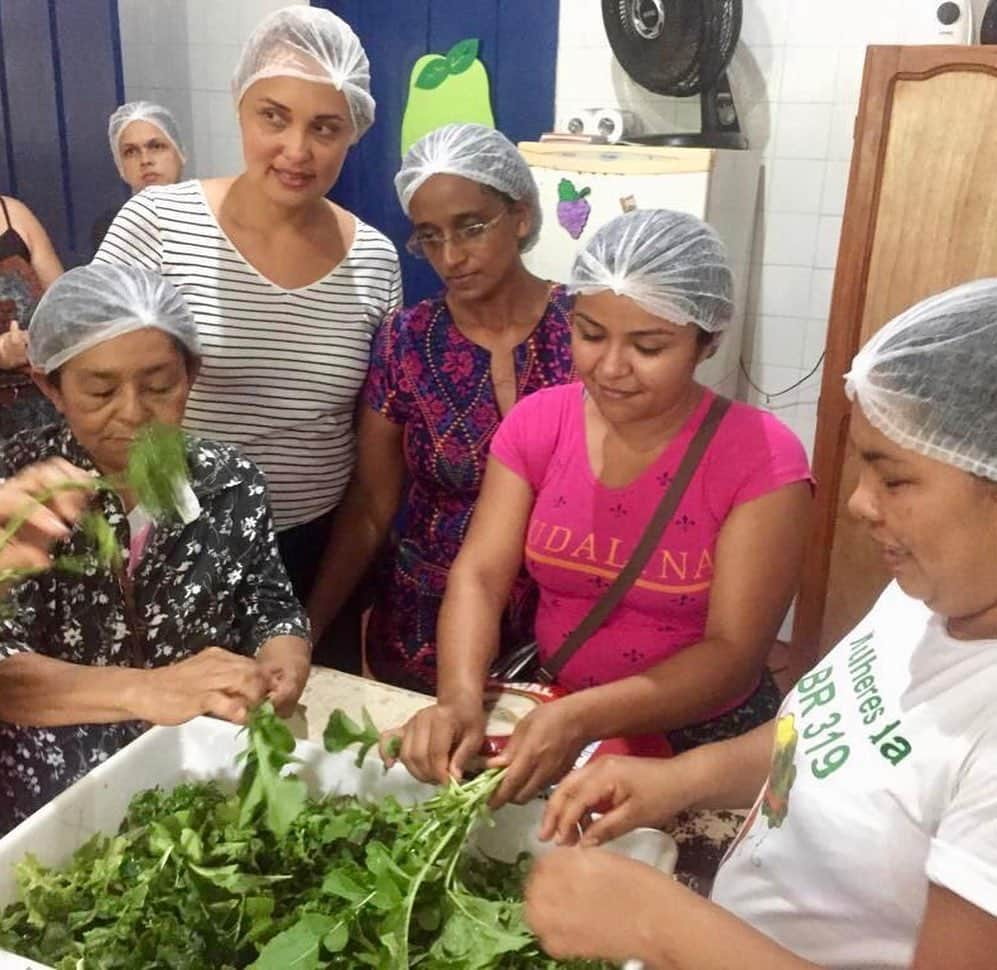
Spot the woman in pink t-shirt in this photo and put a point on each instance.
(574, 475)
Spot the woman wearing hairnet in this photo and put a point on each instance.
(146, 145)
(286, 287)
(443, 374)
(200, 618)
(574, 475)
(147, 150)
(873, 843)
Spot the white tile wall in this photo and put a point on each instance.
(181, 53)
(796, 77)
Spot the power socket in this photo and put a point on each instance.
(939, 22)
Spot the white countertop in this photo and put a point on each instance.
(329, 689)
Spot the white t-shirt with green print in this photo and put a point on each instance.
(884, 778)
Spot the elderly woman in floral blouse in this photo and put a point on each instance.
(200, 619)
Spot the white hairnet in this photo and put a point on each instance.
(475, 152)
(155, 114)
(314, 45)
(90, 304)
(671, 264)
(928, 379)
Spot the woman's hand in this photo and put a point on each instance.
(541, 750)
(593, 904)
(286, 663)
(438, 741)
(13, 348)
(629, 792)
(49, 517)
(215, 681)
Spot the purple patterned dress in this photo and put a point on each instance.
(428, 377)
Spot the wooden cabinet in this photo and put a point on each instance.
(920, 217)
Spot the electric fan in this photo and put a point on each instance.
(681, 48)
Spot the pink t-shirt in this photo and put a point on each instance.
(581, 532)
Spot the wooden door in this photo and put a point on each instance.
(920, 217)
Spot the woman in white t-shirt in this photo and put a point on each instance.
(286, 287)
(873, 843)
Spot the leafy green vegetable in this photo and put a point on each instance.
(103, 538)
(263, 790)
(299, 947)
(195, 879)
(157, 469)
(342, 732)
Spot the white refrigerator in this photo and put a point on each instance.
(583, 186)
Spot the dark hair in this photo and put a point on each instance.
(190, 363)
(704, 338)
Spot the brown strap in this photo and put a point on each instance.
(626, 577)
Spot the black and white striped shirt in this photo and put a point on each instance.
(282, 368)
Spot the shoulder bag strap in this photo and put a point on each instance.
(663, 514)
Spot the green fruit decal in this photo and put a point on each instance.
(572, 208)
(447, 89)
(775, 802)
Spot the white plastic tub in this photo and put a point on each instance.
(205, 749)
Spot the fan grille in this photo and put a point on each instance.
(695, 45)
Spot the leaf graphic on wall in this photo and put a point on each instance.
(433, 74)
(447, 89)
(462, 55)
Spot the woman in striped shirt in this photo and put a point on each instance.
(287, 288)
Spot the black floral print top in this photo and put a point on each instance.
(217, 581)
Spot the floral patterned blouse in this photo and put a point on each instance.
(428, 377)
(217, 581)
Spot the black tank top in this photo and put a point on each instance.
(20, 288)
(11, 243)
(22, 405)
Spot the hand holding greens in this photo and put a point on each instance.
(157, 475)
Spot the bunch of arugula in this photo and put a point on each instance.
(156, 474)
(271, 879)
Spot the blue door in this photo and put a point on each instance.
(519, 49)
(60, 73)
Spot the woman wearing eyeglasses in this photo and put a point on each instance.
(443, 374)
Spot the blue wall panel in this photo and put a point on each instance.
(526, 65)
(394, 33)
(29, 75)
(60, 68)
(518, 47)
(451, 22)
(6, 147)
(89, 95)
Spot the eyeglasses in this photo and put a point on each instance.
(421, 244)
